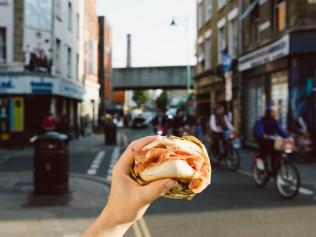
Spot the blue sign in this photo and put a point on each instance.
(5, 85)
(227, 62)
(41, 87)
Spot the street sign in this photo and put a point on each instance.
(227, 62)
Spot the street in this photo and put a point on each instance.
(231, 206)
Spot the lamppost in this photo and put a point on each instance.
(188, 71)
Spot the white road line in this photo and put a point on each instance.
(96, 163)
(5, 158)
(115, 156)
(301, 190)
(305, 191)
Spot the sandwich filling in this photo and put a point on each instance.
(193, 168)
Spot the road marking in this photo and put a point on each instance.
(96, 163)
(5, 158)
(301, 190)
(136, 229)
(140, 228)
(115, 156)
(305, 191)
(144, 227)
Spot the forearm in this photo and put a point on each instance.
(106, 225)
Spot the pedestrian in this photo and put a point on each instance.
(62, 125)
(48, 123)
(128, 201)
(121, 136)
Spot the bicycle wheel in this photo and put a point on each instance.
(259, 175)
(215, 158)
(233, 159)
(288, 180)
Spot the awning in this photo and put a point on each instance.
(39, 84)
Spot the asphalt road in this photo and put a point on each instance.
(231, 206)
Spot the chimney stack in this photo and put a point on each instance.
(128, 58)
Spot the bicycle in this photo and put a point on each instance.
(228, 152)
(285, 173)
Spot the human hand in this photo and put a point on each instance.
(128, 200)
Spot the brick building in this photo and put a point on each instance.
(278, 61)
(217, 36)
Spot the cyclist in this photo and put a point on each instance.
(220, 126)
(266, 130)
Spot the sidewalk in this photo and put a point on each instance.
(23, 214)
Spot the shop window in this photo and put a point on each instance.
(3, 54)
(279, 95)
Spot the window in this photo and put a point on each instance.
(221, 4)
(58, 56)
(278, 16)
(207, 53)
(200, 56)
(254, 18)
(233, 37)
(69, 16)
(3, 54)
(77, 67)
(208, 9)
(58, 9)
(69, 62)
(200, 17)
(78, 25)
(221, 44)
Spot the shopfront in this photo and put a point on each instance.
(282, 76)
(26, 99)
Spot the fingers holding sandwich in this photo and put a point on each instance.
(127, 158)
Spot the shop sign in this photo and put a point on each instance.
(24, 84)
(41, 87)
(6, 85)
(265, 55)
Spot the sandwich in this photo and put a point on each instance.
(184, 159)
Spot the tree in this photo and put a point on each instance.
(162, 101)
(140, 97)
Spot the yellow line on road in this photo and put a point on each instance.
(140, 228)
(136, 229)
(144, 227)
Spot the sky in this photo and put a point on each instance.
(154, 41)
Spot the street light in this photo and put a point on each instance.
(188, 71)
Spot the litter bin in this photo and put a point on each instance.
(110, 133)
(51, 163)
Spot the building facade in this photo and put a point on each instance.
(217, 43)
(39, 65)
(90, 105)
(278, 62)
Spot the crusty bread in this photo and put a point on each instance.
(177, 169)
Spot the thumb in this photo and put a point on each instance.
(155, 189)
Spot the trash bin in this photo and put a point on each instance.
(110, 133)
(51, 163)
